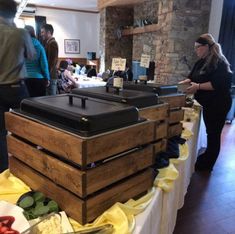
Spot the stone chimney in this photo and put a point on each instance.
(172, 45)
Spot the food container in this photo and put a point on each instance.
(135, 98)
(79, 114)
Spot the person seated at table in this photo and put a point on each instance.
(65, 80)
(121, 74)
(83, 69)
(106, 75)
(128, 73)
(90, 71)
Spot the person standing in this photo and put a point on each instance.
(210, 82)
(51, 48)
(15, 46)
(38, 77)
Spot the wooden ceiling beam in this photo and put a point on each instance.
(105, 3)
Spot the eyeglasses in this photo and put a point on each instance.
(197, 46)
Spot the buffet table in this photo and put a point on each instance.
(156, 212)
(160, 215)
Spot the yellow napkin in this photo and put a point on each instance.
(186, 134)
(121, 216)
(11, 187)
(190, 114)
(166, 177)
(184, 153)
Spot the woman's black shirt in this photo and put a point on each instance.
(220, 79)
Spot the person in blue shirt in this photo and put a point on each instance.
(38, 77)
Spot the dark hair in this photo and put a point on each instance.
(31, 30)
(48, 28)
(215, 52)
(63, 64)
(8, 8)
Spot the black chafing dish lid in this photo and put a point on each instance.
(137, 98)
(156, 88)
(66, 110)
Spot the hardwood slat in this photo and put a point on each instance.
(115, 142)
(102, 176)
(174, 100)
(160, 146)
(121, 192)
(157, 113)
(61, 173)
(68, 202)
(161, 130)
(176, 116)
(56, 141)
(175, 130)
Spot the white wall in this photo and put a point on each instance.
(74, 25)
(215, 18)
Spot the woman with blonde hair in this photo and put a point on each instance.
(210, 82)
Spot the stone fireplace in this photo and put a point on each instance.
(179, 22)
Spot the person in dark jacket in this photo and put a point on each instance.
(37, 69)
(210, 82)
(16, 46)
(51, 48)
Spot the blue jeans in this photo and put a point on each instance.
(10, 97)
(52, 89)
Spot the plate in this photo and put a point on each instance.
(7, 209)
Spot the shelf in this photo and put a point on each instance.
(139, 30)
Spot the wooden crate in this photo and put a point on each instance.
(156, 113)
(81, 183)
(160, 146)
(175, 130)
(159, 114)
(161, 130)
(174, 100)
(176, 115)
(77, 149)
(88, 209)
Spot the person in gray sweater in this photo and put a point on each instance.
(15, 47)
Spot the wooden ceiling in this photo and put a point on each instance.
(106, 3)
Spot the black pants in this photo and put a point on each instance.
(36, 87)
(10, 97)
(214, 117)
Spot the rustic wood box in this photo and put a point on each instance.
(176, 114)
(81, 182)
(80, 150)
(83, 210)
(159, 114)
(82, 173)
(174, 100)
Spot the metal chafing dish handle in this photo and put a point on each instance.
(83, 100)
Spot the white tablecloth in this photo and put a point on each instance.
(86, 82)
(149, 221)
(162, 221)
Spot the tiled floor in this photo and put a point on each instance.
(209, 206)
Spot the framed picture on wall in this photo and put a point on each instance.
(72, 46)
